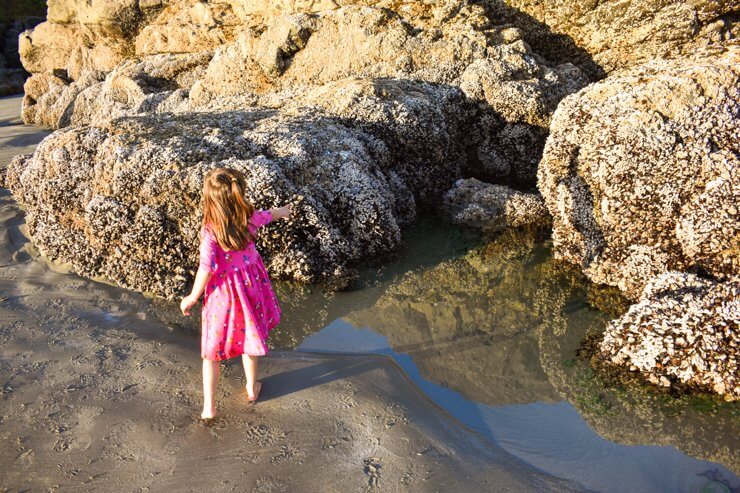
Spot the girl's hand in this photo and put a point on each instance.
(187, 303)
(281, 212)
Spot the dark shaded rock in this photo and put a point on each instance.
(492, 208)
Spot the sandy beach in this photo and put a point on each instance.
(100, 393)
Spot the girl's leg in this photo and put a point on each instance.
(210, 379)
(250, 371)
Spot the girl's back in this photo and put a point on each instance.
(219, 260)
(239, 306)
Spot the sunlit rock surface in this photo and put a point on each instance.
(613, 34)
(13, 21)
(684, 332)
(640, 172)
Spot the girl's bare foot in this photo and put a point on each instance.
(252, 396)
(208, 413)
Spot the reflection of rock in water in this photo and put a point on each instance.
(632, 415)
(469, 322)
(502, 324)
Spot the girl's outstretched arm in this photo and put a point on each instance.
(201, 280)
(281, 212)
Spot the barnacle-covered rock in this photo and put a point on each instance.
(492, 208)
(684, 332)
(121, 199)
(641, 172)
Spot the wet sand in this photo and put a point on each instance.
(16, 138)
(99, 393)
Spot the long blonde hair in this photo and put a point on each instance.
(226, 210)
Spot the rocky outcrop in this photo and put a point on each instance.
(122, 200)
(612, 34)
(195, 56)
(684, 332)
(330, 106)
(640, 172)
(492, 208)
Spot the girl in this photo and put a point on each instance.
(239, 305)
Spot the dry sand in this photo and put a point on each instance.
(99, 393)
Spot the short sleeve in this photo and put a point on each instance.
(208, 247)
(260, 218)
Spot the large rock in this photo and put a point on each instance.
(611, 34)
(640, 172)
(231, 65)
(122, 199)
(684, 332)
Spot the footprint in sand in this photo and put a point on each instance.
(372, 471)
(263, 435)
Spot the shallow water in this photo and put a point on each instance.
(488, 330)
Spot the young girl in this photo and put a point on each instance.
(239, 305)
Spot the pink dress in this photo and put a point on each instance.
(239, 305)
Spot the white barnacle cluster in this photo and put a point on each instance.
(685, 330)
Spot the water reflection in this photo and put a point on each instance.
(472, 320)
(491, 333)
(550, 436)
